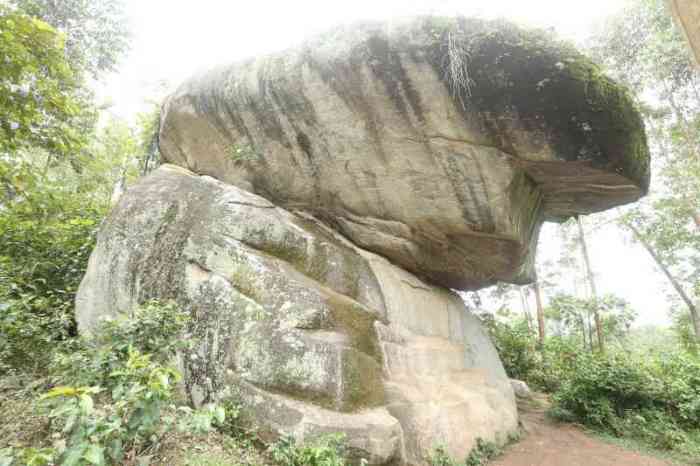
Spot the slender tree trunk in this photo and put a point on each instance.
(584, 334)
(526, 309)
(692, 308)
(591, 282)
(540, 313)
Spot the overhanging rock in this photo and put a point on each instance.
(441, 144)
(318, 204)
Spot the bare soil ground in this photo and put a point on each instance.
(548, 443)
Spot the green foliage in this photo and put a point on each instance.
(515, 345)
(27, 456)
(440, 457)
(575, 316)
(480, 455)
(242, 153)
(38, 90)
(654, 399)
(633, 390)
(47, 237)
(114, 393)
(324, 451)
(49, 216)
(95, 30)
(152, 329)
(643, 47)
(149, 128)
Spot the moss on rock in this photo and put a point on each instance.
(549, 87)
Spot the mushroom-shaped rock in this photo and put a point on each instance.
(441, 144)
(317, 204)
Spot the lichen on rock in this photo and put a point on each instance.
(319, 204)
(405, 136)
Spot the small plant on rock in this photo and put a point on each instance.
(324, 451)
(482, 453)
(242, 153)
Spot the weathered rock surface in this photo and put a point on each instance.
(520, 389)
(440, 144)
(316, 334)
(687, 15)
(319, 202)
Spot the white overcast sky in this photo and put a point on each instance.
(172, 39)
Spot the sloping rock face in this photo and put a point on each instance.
(318, 205)
(440, 144)
(316, 334)
(687, 16)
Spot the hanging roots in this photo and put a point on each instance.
(454, 66)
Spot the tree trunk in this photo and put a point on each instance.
(692, 308)
(540, 312)
(584, 334)
(591, 282)
(526, 309)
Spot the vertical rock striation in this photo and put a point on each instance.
(319, 204)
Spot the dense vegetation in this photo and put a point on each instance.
(638, 384)
(639, 393)
(113, 398)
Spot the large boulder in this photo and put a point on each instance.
(441, 144)
(319, 203)
(315, 334)
(687, 16)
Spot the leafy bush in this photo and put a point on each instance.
(480, 455)
(653, 397)
(324, 451)
(46, 238)
(153, 330)
(440, 457)
(117, 397)
(657, 400)
(515, 345)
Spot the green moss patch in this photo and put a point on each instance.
(549, 87)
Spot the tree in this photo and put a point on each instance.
(541, 328)
(573, 315)
(591, 283)
(95, 30)
(642, 47)
(38, 101)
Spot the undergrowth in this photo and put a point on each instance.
(113, 395)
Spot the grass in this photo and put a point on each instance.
(679, 458)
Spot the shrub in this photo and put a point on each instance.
(117, 397)
(516, 347)
(153, 329)
(440, 457)
(655, 401)
(482, 453)
(46, 240)
(324, 451)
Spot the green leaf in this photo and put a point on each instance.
(60, 391)
(86, 404)
(6, 457)
(219, 414)
(73, 456)
(95, 455)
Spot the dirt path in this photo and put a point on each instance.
(547, 443)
